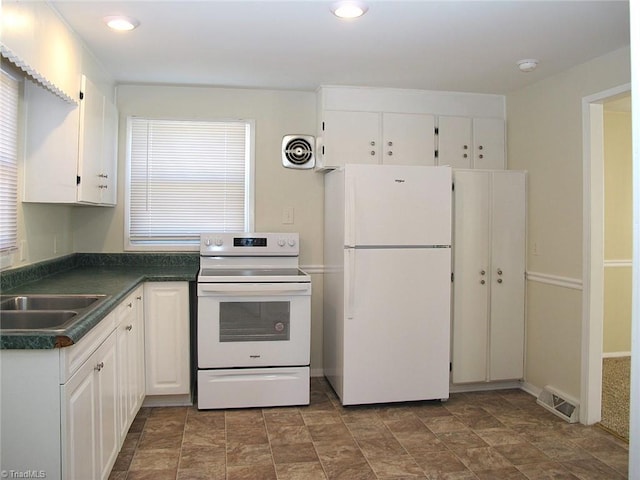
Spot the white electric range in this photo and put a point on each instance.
(254, 321)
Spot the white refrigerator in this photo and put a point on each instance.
(387, 285)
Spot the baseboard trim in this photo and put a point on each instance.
(484, 386)
(168, 400)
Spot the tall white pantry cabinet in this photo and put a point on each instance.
(489, 275)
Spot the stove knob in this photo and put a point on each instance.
(218, 242)
(207, 241)
(292, 242)
(281, 242)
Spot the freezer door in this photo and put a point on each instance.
(396, 325)
(388, 205)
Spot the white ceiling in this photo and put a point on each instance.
(298, 44)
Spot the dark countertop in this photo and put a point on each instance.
(117, 281)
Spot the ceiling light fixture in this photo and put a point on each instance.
(349, 9)
(121, 23)
(527, 65)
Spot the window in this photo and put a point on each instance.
(9, 95)
(186, 177)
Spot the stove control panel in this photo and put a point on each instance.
(249, 244)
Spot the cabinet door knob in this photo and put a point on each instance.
(464, 156)
(480, 156)
(128, 328)
(480, 147)
(390, 144)
(499, 271)
(99, 366)
(130, 305)
(139, 297)
(389, 153)
(465, 146)
(373, 144)
(482, 272)
(499, 280)
(482, 282)
(373, 152)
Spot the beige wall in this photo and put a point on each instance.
(618, 232)
(544, 132)
(276, 113)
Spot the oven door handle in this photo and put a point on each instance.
(242, 289)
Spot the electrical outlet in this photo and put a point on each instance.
(287, 216)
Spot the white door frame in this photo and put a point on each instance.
(593, 251)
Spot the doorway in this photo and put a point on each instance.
(618, 253)
(593, 251)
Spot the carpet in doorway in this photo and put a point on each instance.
(615, 395)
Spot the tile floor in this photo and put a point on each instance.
(499, 435)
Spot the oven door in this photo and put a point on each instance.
(253, 324)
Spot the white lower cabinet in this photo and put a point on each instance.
(65, 411)
(167, 357)
(90, 434)
(489, 269)
(131, 376)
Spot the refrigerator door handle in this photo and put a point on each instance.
(350, 227)
(351, 282)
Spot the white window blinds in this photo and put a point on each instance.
(9, 93)
(186, 177)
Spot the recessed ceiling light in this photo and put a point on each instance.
(527, 65)
(349, 9)
(121, 23)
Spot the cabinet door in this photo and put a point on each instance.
(91, 143)
(122, 339)
(90, 428)
(51, 147)
(350, 137)
(507, 279)
(166, 306)
(408, 139)
(140, 386)
(106, 394)
(471, 284)
(454, 142)
(488, 143)
(109, 167)
(79, 425)
(130, 338)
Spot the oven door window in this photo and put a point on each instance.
(254, 321)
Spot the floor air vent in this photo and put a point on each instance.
(559, 404)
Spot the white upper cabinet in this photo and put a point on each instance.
(408, 139)
(350, 137)
(374, 138)
(471, 142)
(70, 154)
(489, 143)
(397, 127)
(96, 152)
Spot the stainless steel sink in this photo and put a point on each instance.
(38, 312)
(35, 319)
(48, 302)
